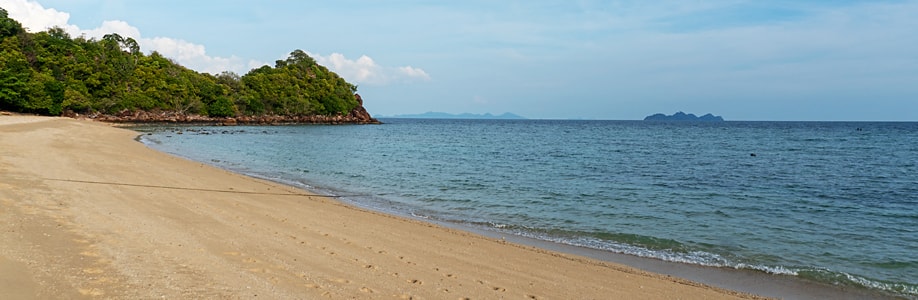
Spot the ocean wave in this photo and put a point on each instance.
(673, 251)
(846, 279)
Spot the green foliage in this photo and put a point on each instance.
(14, 74)
(8, 27)
(50, 73)
(300, 86)
(223, 107)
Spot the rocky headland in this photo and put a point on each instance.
(358, 115)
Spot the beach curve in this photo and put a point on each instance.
(90, 213)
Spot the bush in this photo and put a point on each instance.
(223, 107)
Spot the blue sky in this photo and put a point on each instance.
(623, 60)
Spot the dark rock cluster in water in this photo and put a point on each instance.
(205, 131)
(681, 116)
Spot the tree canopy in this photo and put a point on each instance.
(51, 72)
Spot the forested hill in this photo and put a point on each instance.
(52, 73)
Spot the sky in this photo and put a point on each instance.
(784, 60)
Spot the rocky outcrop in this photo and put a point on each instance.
(681, 116)
(358, 115)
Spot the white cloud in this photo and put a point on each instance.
(413, 72)
(36, 18)
(122, 28)
(364, 70)
(254, 64)
(194, 56)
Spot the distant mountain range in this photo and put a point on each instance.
(681, 116)
(443, 115)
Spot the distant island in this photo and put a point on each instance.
(443, 115)
(681, 116)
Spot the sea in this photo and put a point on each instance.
(830, 202)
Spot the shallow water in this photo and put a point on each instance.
(833, 202)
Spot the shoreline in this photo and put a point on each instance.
(751, 281)
(748, 281)
(90, 213)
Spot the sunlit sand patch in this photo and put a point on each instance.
(29, 209)
(94, 292)
(89, 253)
(12, 120)
(340, 280)
(102, 280)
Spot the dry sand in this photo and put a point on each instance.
(87, 212)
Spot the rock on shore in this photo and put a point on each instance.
(358, 115)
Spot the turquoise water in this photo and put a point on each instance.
(828, 201)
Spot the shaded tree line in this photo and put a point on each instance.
(50, 73)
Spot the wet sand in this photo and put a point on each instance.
(87, 212)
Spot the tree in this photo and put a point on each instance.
(299, 86)
(11, 88)
(223, 107)
(14, 75)
(8, 27)
(50, 72)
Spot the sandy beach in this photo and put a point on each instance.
(88, 212)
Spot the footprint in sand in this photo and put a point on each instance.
(494, 288)
(340, 280)
(313, 286)
(259, 270)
